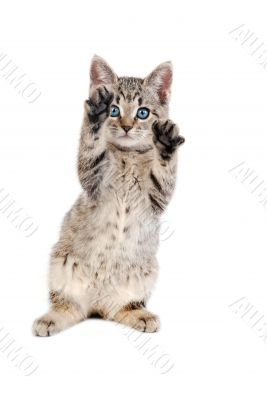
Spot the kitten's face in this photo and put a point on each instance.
(134, 108)
(136, 105)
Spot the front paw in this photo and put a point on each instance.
(166, 137)
(99, 103)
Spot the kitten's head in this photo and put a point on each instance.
(137, 102)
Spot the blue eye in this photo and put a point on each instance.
(114, 111)
(142, 113)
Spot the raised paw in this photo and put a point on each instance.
(166, 137)
(44, 326)
(99, 103)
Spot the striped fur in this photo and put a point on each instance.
(105, 262)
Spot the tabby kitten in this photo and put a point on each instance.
(105, 260)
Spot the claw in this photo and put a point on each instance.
(164, 126)
(181, 140)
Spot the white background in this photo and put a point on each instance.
(217, 252)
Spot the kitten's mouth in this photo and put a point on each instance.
(125, 136)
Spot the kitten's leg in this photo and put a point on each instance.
(93, 162)
(163, 172)
(63, 314)
(137, 317)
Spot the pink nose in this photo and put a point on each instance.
(126, 128)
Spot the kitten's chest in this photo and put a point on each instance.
(130, 176)
(126, 204)
(124, 220)
(130, 182)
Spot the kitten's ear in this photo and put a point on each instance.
(101, 73)
(160, 80)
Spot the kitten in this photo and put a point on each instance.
(105, 260)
